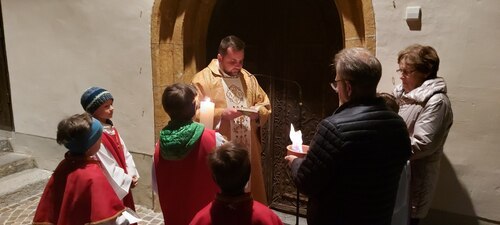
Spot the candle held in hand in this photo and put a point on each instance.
(207, 113)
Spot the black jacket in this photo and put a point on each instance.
(352, 170)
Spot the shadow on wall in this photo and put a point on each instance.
(451, 197)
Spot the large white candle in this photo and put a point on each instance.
(207, 113)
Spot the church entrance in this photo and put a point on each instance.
(290, 47)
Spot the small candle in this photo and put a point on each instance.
(207, 113)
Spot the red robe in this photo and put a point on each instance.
(114, 146)
(185, 186)
(241, 210)
(77, 193)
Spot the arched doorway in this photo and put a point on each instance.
(290, 44)
(286, 40)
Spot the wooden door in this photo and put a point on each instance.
(5, 103)
(290, 43)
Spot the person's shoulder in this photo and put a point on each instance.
(89, 171)
(266, 213)
(438, 100)
(249, 76)
(203, 71)
(328, 124)
(208, 139)
(352, 117)
(205, 76)
(209, 133)
(212, 67)
(261, 207)
(91, 167)
(202, 217)
(116, 129)
(438, 97)
(246, 73)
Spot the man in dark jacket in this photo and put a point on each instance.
(355, 159)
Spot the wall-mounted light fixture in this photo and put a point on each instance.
(413, 17)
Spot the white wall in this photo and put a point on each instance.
(466, 35)
(58, 48)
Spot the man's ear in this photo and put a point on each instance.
(348, 88)
(219, 57)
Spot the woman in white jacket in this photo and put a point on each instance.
(426, 109)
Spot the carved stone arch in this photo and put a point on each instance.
(358, 23)
(179, 29)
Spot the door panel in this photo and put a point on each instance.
(5, 103)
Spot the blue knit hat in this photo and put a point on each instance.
(94, 97)
(80, 145)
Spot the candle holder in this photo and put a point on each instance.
(290, 151)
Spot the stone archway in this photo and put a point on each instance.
(179, 29)
(358, 23)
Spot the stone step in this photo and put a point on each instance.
(21, 185)
(12, 162)
(5, 145)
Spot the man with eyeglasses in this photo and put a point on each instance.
(351, 172)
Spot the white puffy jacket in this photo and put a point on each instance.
(428, 115)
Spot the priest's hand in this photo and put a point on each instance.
(229, 114)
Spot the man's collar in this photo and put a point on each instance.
(356, 102)
(222, 71)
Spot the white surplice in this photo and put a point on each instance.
(119, 180)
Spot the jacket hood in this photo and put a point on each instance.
(424, 92)
(178, 138)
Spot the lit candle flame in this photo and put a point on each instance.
(296, 137)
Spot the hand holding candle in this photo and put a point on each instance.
(207, 113)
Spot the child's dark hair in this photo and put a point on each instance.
(73, 127)
(178, 101)
(390, 101)
(78, 133)
(230, 165)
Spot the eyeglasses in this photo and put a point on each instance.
(405, 73)
(334, 85)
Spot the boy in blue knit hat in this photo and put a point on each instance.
(78, 192)
(116, 160)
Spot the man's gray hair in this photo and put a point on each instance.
(361, 68)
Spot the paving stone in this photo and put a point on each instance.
(22, 213)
